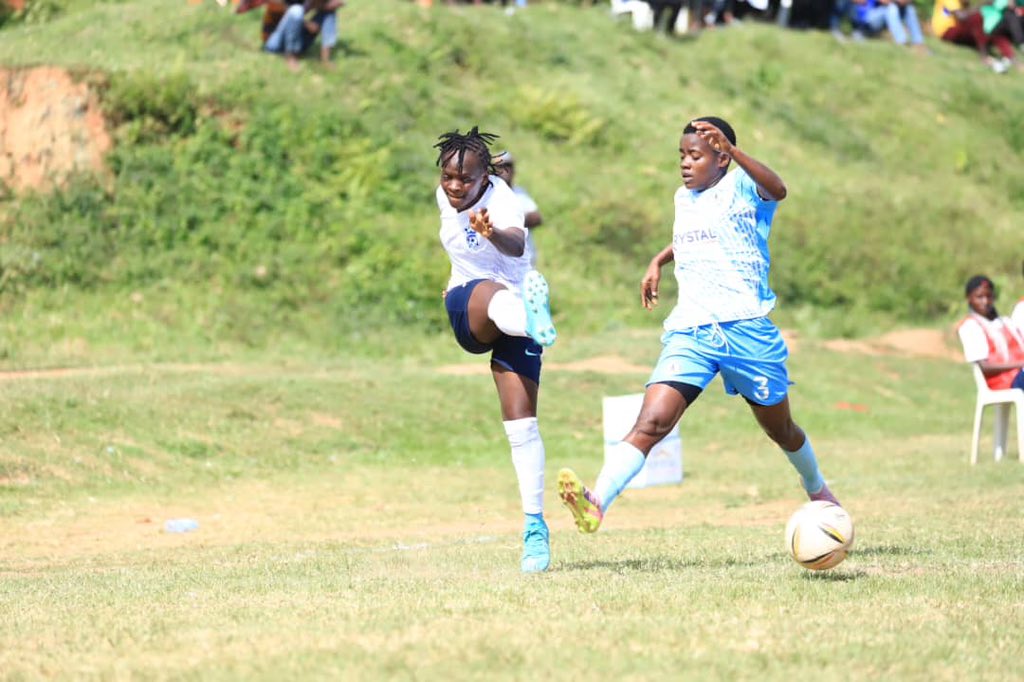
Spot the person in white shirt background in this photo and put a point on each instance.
(505, 168)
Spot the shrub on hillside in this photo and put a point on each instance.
(149, 107)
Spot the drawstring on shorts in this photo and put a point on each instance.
(715, 335)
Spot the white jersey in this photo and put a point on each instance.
(720, 246)
(474, 257)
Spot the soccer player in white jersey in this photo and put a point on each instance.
(720, 324)
(496, 303)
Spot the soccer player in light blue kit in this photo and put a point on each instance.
(720, 324)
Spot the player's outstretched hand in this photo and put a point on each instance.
(713, 136)
(649, 286)
(481, 223)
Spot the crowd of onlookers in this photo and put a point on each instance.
(990, 24)
(994, 28)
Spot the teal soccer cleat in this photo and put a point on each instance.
(536, 547)
(539, 325)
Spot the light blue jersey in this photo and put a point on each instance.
(720, 246)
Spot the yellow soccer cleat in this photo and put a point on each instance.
(585, 508)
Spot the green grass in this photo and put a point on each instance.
(359, 520)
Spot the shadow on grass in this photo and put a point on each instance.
(887, 550)
(346, 49)
(654, 564)
(835, 575)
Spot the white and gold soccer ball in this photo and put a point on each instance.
(819, 535)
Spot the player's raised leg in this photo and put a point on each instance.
(494, 308)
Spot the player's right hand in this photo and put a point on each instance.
(649, 287)
(480, 222)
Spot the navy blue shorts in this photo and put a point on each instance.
(518, 354)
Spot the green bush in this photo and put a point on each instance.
(147, 107)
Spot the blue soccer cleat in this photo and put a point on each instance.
(536, 547)
(539, 325)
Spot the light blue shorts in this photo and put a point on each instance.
(750, 354)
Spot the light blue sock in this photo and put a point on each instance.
(534, 518)
(621, 464)
(804, 461)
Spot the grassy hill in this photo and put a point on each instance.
(250, 206)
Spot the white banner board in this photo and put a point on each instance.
(665, 461)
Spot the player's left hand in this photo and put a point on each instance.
(481, 223)
(713, 136)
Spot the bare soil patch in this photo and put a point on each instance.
(50, 127)
(925, 343)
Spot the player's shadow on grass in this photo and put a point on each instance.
(887, 550)
(654, 564)
(834, 575)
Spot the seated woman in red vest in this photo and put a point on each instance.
(994, 342)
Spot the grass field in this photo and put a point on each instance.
(357, 522)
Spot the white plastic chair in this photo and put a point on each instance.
(1002, 401)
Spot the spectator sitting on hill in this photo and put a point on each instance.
(994, 342)
(841, 9)
(505, 168)
(511, 8)
(659, 8)
(871, 16)
(299, 26)
(999, 18)
(720, 12)
(955, 22)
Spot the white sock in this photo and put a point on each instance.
(507, 311)
(528, 459)
(621, 464)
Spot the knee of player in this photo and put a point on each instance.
(653, 425)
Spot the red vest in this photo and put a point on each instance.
(1003, 346)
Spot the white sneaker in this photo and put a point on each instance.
(999, 65)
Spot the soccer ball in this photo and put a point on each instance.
(819, 534)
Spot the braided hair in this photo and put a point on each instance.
(457, 143)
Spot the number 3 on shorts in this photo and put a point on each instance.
(761, 392)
